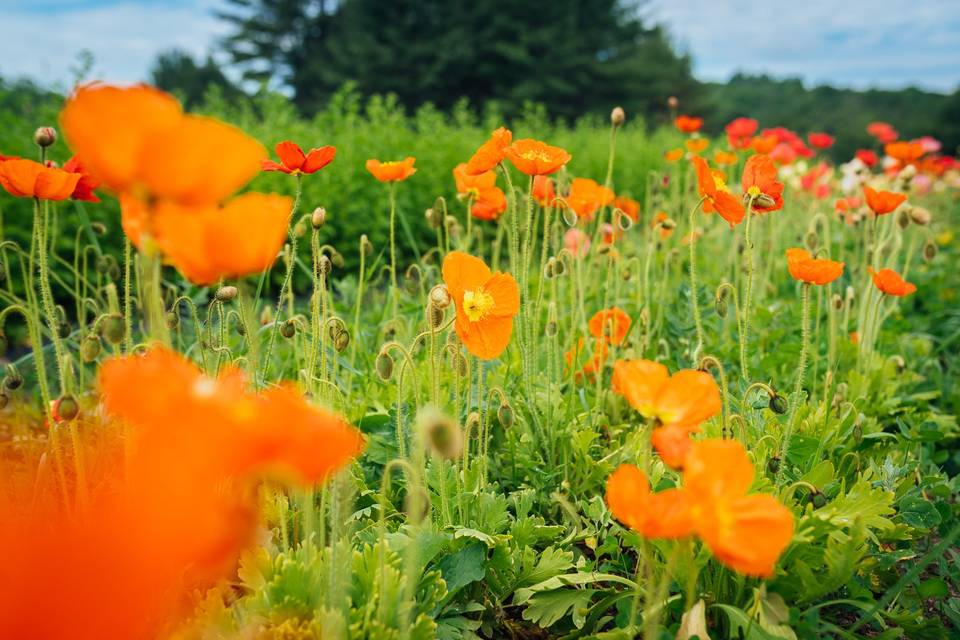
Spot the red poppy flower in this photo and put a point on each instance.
(883, 132)
(718, 196)
(867, 157)
(740, 131)
(819, 140)
(294, 162)
(86, 185)
(760, 182)
(688, 124)
(883, 202)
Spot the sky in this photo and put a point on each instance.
(852, 43)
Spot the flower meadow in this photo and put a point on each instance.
(714, 400)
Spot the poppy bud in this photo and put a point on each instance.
(837, 301)
(288, 329)
(366, 248)
(435, 315)
(324, 265)
(4, 343)
(617, 116)
(778, 404)
(929, 250)
(817, 499)
(45, 136)
(102, 264)
(672, 102)
(459, 364)
(899, 364)
(440, 296)
(113, 329)
(384, 366)
(90, 348)
(300, 229)
(66, 408)
(341, 341)
(241, 329)
(505, 415)
(441, 433)
(434, 219)
(773, 465)
(903, 219)
(266, 316)
(318, 218)
(720, 304)
(549, 269)
(4, 400)
(337, 259)
(173, 320)
(764, 201)
(668, 223)
(811, 239)
(559, 267)
(568, 214)
(920, 216)
(226, 294)
(412, 278)
(416, 505)
(13, 380)
(857, 431)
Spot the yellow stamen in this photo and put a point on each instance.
(477, 304)
(754, 191)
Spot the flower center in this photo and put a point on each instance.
(718, 183)
(534, 156)
(754, 191)
(477, 304)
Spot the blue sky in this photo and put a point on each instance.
(866, 43)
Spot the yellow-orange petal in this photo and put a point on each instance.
(673, 444)
(688, 398)
(747, 534)
(628, 492)
(717, 470)
(639, 381)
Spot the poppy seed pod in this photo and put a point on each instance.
(226, 294)
(45, 136)
(929, 250)
(90, 348)
(67, 408)
(778, 404)
(113, 329)
(920, 216)
(440, 432)
(440, 296)
(288, 329)
(318, 218)
(618, 116)
(366, 248)
(384, 366)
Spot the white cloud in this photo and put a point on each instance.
(124, 37)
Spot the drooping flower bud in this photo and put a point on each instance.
(341, 341)
(505, 414)
(66, 408)
(435, 316)
(929, 250)
(837, 301)
(764, 201)
(778, 404)
(45, 136)
(288, 328)
(90, 348)
(458, 362)
(324, 265)
(773, 465)
(172, 320)
(811, 240)
(898, 364)
(441, 434)
(113, 329)
(903, 219)
(14, 379)
(384, 366)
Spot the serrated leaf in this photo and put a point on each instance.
(546, 608)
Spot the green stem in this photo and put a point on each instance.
(798, 385)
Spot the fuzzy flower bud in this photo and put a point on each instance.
(45, 136)
(318, 218)
(617, 116)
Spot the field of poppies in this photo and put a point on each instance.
(601, 382)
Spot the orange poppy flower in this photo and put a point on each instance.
(472, 184)
(28, 179)
(688, 124)
(890, 283)
(724, 158)
(685, 399)
(86, 184)
(805, 268)
(903, 151)
(543, 191)
(490, 204)
(486, 303)
(883, 202)
(673, 155)
(759, 181)
(718, 196)
(665, 514)
(586, 196)
(396, 171)
(610, 324)
(293, 161)
(697, 145)
(629, 206)
(820, 140)
(593, 365)
(171, 519)
(208, 242)
(536, 158)
(159, 152)
(665, 232)
(747, 533)
(764, 144)
(491, 152)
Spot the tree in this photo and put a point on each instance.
(575, 56)
(177, 72)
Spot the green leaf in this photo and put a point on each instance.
(463, 567)
(933, 588)
(741, 623)
(919, 513)
(546, 608)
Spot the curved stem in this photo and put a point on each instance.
(798, 385)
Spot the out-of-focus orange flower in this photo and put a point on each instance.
(744, 532)
(87, 183)
(486, 303)
(673, 155)
(586, 196)
(395, 171)
(867, 157)
(904, 152)
(740, 130)
(717, 196)
(726, 158)
(490, 153)
(610, 324)
(593, 366)
(854, 337)
(764, 144)
(293, 161)
(820, 140)
(665, 231)
(805, 268)
(138, 140)
(882, 131)
(697, 145)
(629, 206)
(170, 519)
(489, 205)
(883, 202)
(688, 124)
(536, 158)
(28, 179)
(210, 242)
(543, 191)
(760, 182)
(665, 514)
(890, 283)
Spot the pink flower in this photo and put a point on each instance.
(577, 242)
